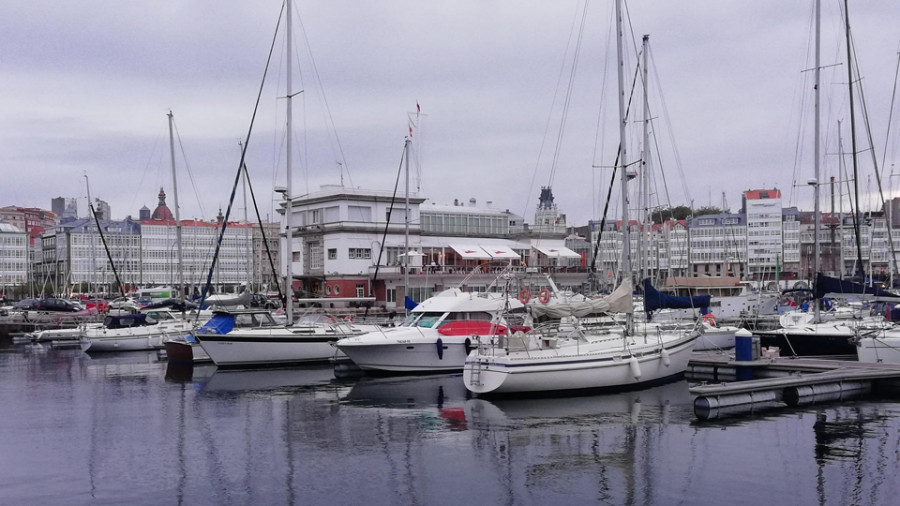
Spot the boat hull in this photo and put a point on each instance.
(181, 350)
(408, 350)
(810, 340)
(268, 348)
(884, 349)
(552, 370)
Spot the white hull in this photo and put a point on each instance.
(407, 350)
(716, 338)
(576, 367)
(881, 349)
(149, 337)
(268, 347)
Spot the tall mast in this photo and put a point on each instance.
(645, 176)
(816, 211)
(179, 267)
(856, 214)
(91, 276)
(289, 239)
(406, 224)
(623, 159)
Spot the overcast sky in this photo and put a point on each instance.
(86, 86)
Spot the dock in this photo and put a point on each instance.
(749, 386)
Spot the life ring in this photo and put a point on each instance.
(544, 296)
(709, 318)
(348, 319)
(524, 296)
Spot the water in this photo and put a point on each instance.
(128, 429)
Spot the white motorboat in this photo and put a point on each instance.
(141, 331)
(256, 340)
(436, 337)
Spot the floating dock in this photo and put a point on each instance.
(779, 381)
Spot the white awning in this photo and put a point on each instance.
(499, 251)
(470, 251)
(557, 252)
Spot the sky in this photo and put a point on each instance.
(86, 87)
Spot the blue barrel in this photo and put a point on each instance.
(743, 346)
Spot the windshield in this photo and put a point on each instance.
(427, 319)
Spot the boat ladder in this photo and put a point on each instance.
(475, 373)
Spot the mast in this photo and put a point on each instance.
(289, 239)
(178, 267)
(623, 161)
(90, 278)
(645, 176)
(406, 225)
(816, 211)
(860, 270)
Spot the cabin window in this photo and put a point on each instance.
(428, 319)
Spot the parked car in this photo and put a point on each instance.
(54, 304)
(26, 305)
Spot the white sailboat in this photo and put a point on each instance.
(572, 356)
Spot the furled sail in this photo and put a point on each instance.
(654, 300)
(619, 301)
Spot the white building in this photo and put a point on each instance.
(13, 257)
(764, 232)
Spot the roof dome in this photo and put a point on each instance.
(162, 212)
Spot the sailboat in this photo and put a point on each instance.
(152, 328)
(814, 334)
(571, 356)
(277, 345)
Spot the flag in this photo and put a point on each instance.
(418, 109)
(410, 130)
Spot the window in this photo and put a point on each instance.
(332, 253)
(360, 290)
(360, 253)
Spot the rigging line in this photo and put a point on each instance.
(679, 165)
(262, 231)
(568, 97)
(868, 128)
(388, 221)
(562, 69)
(106, 247)
(318, 79)
(187, 167)
(887, 136)
(237, 177)
(601, 125)
(144, 172)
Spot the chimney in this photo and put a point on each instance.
(472, 202)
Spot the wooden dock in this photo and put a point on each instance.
(749, 386)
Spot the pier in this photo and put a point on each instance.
(780, 381)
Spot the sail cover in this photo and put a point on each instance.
(828, 286)
(619, 301)
(654, 300)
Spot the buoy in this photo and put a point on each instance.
(664, 353)
(544, 296)
(524, 296)
(635, 367)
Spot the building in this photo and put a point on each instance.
(65, 208)
(350, 242)
(101, 207)
(762, 209)
(73, 256)
(13, 258)
(718, 245)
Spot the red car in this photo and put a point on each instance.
(101, 305)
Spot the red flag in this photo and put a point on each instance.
(410, 130)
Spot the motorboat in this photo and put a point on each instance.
(140, 331)
(436, 336)
(257, 340)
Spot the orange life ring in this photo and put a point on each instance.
(524, 296)
(709, 318)
(544, 296)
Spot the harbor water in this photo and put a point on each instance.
(131, 429)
